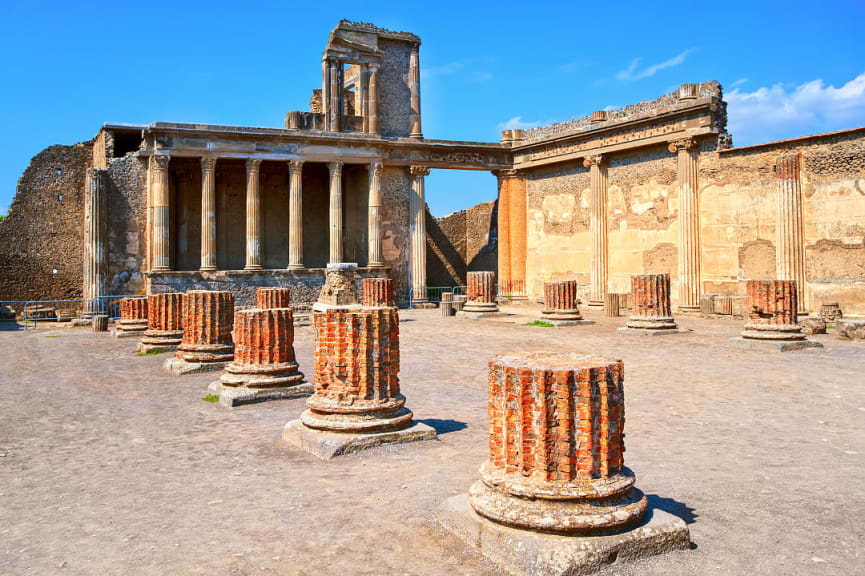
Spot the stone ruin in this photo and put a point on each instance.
(207, 344)
(556, 466)
(164, 323)
(773, 318)
(267, 298)
(560, 304)
(357, 403)
(652, 313)
(481, 295)
(133, 318)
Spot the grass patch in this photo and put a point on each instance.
(540, 323)
(153, 352)
(830, 326)
(52, 335)
(211, 398)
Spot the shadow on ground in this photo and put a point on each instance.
(444, 426)
(674, 507)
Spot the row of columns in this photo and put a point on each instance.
(160, 214)
(333, 94)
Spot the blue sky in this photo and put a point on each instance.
(788, 68)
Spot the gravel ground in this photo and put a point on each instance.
(108, 465)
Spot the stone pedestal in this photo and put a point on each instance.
(652, 313)
(207, 344)
(447, 309)
(164, 323)
(831, 311)
(481, 301)
(773, 318)
(264, 366)
(612, 305)
(556, 465)
(99, 323)
(268, 298)
(357, 402)
(133, 318)
(560, 304)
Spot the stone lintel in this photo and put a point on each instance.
(525, 553)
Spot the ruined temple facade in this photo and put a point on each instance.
(652, 188)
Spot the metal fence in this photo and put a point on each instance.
(32, 313)
(434, 293)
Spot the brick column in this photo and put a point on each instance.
(95, 237)
(164, 322)
(253, 215)
(335, 212)
(689, 224)
(512, 250)
(600, 251)
(556, 446)
(208, 316)
(504, 225)
(375, 232)
(263, 351)
(772, 311)
(560, 303)
(377, 293)
(267, 298)
(208, 214)
(159, 198)
(417, 224)
(789, 225)
(133, 316)
(414, 88)
(651, 306)
(481, 294)
(295, 216)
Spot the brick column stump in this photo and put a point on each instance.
(651, 313)
(133, 318)
(267, 298)
(264, 366)
(357, 403)
(481, 297)
(773, 318)
(560, 304)
(556, 467)
(164, 323)
(207, 345)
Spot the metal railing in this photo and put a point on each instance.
(434, 293)
(31, 313)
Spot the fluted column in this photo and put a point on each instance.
(689, 224)
(295, 216)
(789, 233)
(373, 99)
(253, 215)
(208, 214)
(600, 252)
(417, 224)
(414, 88)
(375, 233)
(325, 94)
(363, 95)
(95, 234)
(159, 195)
(335, 212)
(335, 86)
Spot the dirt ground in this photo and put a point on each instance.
(109, 465)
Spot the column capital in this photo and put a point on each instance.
(508, 173)
(594, 160)
(159, 162)
(375, 168)
(682, 144)
(335, 168)
(208, 163)
(253, 164)
(787, 165)
(295, 166)
(418, 171)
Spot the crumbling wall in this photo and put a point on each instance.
(394, 103)
(395, 188)
(460, 242)
(42, 238)
(127, 225)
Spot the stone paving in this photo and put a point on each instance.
(109, 465)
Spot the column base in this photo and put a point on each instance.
(595, 304)
(296, 267)
(525, 552)
(207, 269)
(376, 265)
(422, 304)
(326, 445)
(774, 345)
(690, 309)
(253, 267)
(178, 367)
(231, 397)
(653, 331)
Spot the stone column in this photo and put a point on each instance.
(164, 322)
(208, 214)
(159, 195)
(377, 293)
(417, 225)
(295, 216)
(375, 259)
(373, 99)
(95, 237)
(335, 213)
(267, 298)
(689, 224)
(325, 94)
(560, 303)
(504, 226)
(253, 215)
(651, 308)
(556, 446)
(789, 227)
(414, 88)
(363, 95)
(600, 251)
(334, 105)
(516, 287)
(208, 319)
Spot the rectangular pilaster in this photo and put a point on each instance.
(598, 224)
(159, 195)
(789, 226)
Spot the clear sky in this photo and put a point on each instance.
(788, 68)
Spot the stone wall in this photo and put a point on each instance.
(42, 238)
(395, 188)
(461, 242)
(394, 96)
(127, 225)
